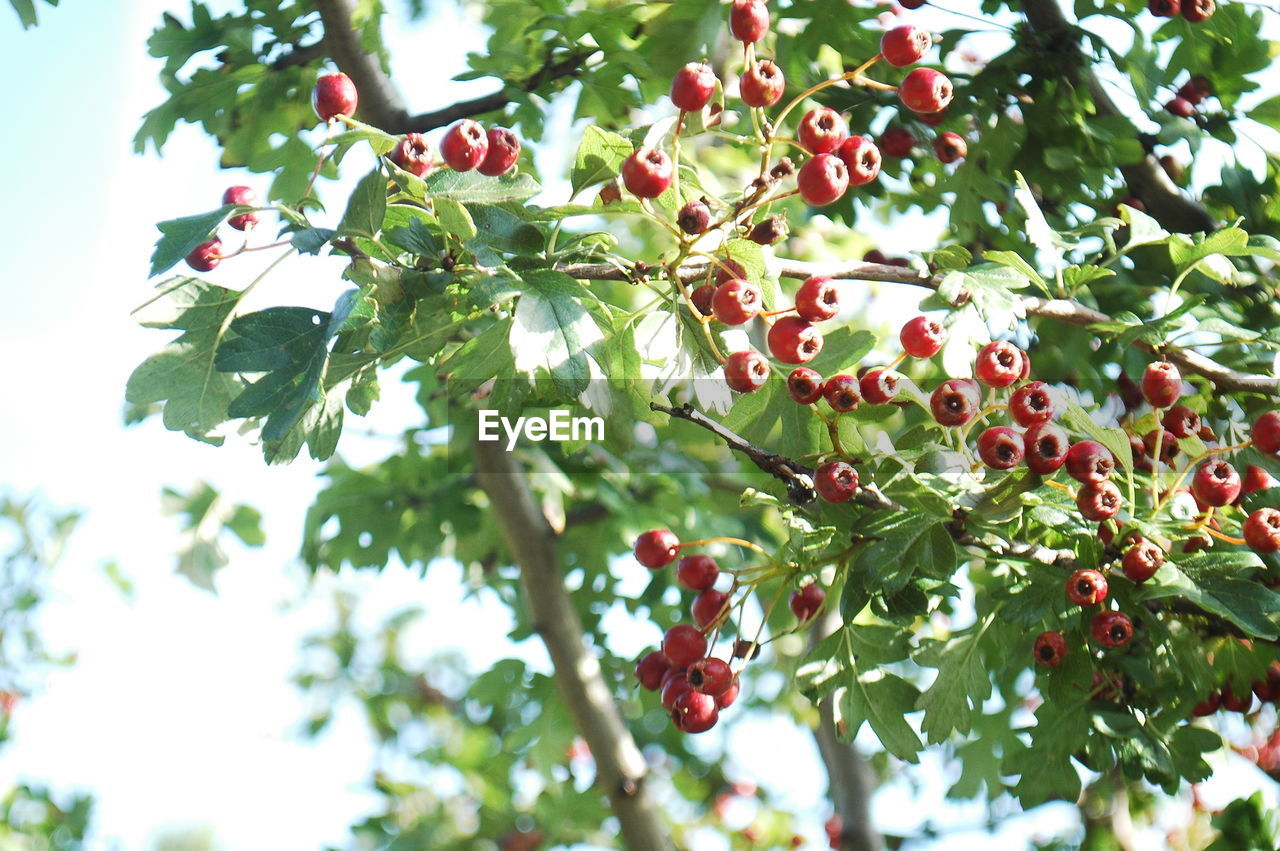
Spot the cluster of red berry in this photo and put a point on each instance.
(1266, 689)
(695, 685)
(1194, 11)
(836, 160)
(1190, 95)
(465, 146)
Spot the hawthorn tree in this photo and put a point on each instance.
(1034, 528)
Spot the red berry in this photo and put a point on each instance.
(1181, 422)
(1180, 107)
(647, 172)
(610, 193)
(933, 119)
(1050, 648)
(1111, 629)
(502, 153)
(925, 91)
(650, 670)
(746, 372)
(1086, 587)
(413, 154)
(205, 256)
(749, 20)
(879, 386)
(1046, 446)
(793, 340)
(464, 145)
(1161, 384)
(657, 548)
(835, 481)
(1196, 89)
(1164, 8)
(1089, 461)
(769, 231)
(736, 301)
(697, 572)
(1268, 689)
(1168, 448)
(727, 270)
(694, 217)
(1216, 483)
(241, 196)
(817, 299)
(693, 86)
(1106, 532)
(841, 393)
(1262, 530)
(742, 648)
(822, 130)
(676, 685)
(762, 84)
(1208, 706)
(710, 676)
(707, 606)
(1256, 479)
(950, 147)
(694, 712)
(1266, 433)
(1142, 560)
(702, 298)
(897, 142)
(912, 4)
(806, 602)
(1196, 11)
(1000, 447)
(861, 158)
(823, 180)
(955, 402)
(999, 364)
(1032, 403)
(905, 45)
(683, 645)
(805, 385)
(1236, 703)
(334, 95)
(727, 699)
(1098, 501)
(922, 337)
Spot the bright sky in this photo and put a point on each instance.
(179, 710)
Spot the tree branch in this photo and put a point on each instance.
(1146, 179)
(1058, 309)
(620, 767)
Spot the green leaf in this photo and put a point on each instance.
(1267, 112)
(312, 240)
(26, 10)
(367, 207)
(471, 187)
(1143, 230)
(181, 375)
(1078, 420)
(883, 703)
(1243, 602)
(599, 158)
(179, 237)
(552, 331)
(909, 542)
(1017, 264)
(842, 349)
(961, 686)
(455, 219)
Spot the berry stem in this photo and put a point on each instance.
(725, 540)
(1239, 542)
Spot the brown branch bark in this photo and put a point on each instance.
(1146, 179)
(849, 778)
(1057, 309)
(620, 767)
